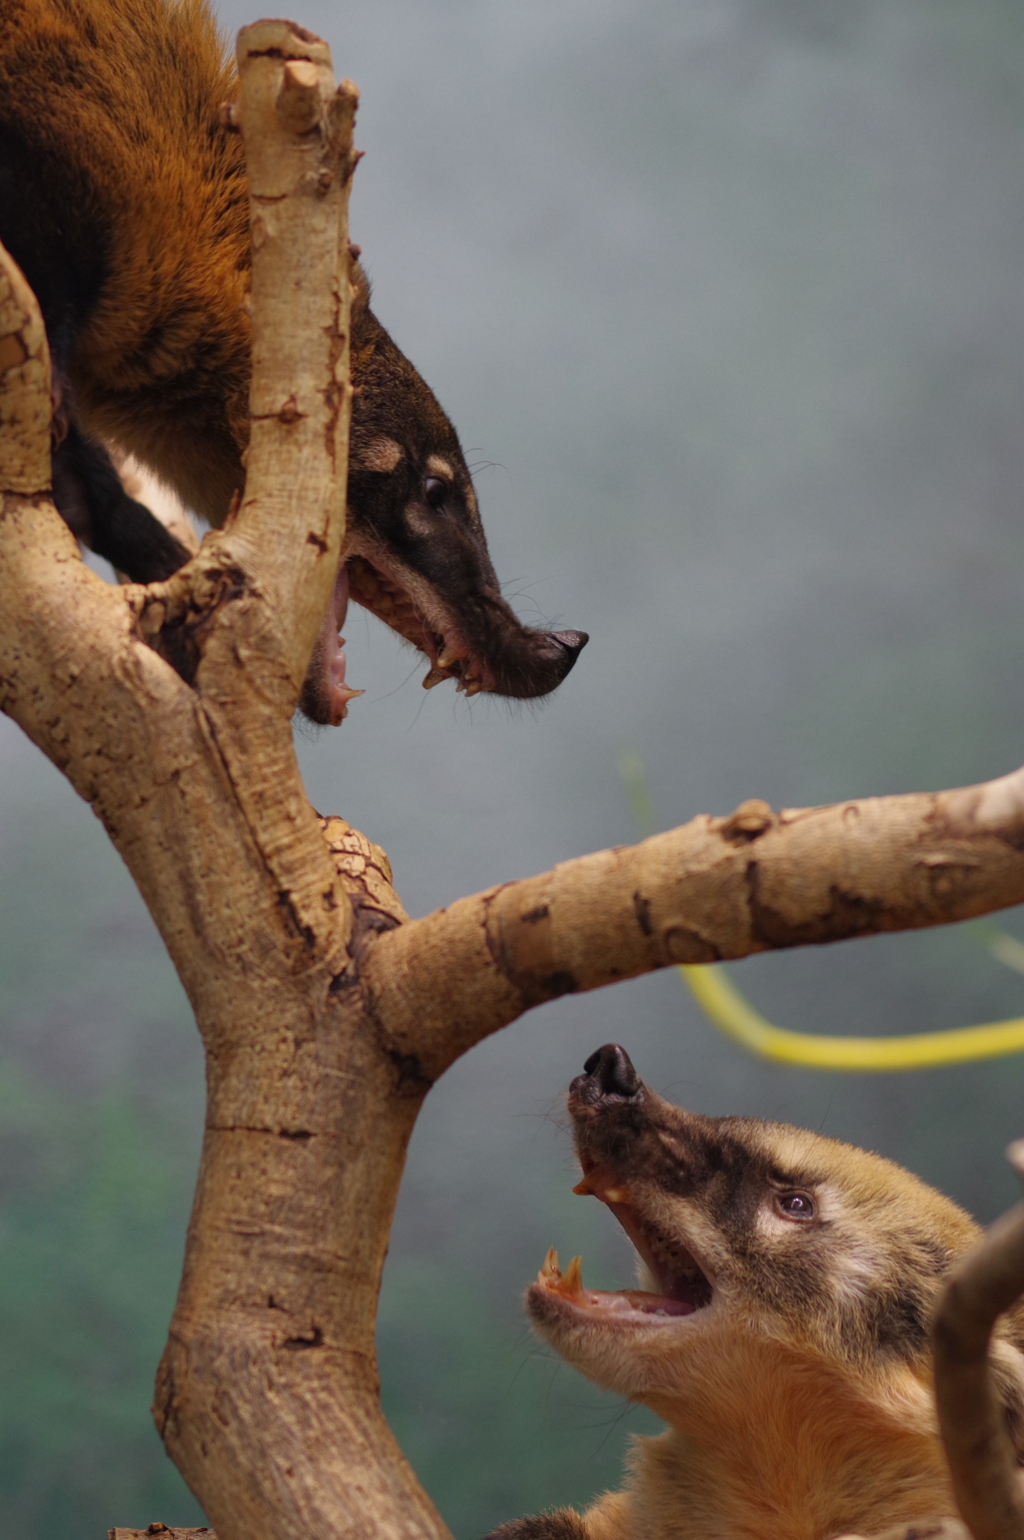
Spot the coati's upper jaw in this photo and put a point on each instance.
(617, 1337)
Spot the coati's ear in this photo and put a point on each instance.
(1007, 1365)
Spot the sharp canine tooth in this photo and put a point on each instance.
(447, 657)
(550, 1272)
(572, 1278)
(473, 689)
(435, 676)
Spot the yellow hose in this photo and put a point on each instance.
(719, 999)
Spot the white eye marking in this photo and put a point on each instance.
(420, 521)
(438, 466)
(856, 1266)
(381, 454)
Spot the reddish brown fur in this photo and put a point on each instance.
(124, 198)
(170, 334)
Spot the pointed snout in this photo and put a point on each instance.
(572, 644)
(533, 663)
(608, 1076)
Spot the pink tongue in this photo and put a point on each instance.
(339, 692)
(638, 1299)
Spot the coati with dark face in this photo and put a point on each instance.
(123, 198)
(781, 1328)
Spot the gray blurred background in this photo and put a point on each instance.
(724, 297)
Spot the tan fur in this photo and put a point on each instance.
(381, 455)
(798, 1392)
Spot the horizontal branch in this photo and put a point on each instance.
(715, 889)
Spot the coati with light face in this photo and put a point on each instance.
(781, 1329)
(123, 198)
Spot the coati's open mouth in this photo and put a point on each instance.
(474, 639)
(435, 633)
(683, 1288)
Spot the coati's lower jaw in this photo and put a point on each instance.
(485, 648)
(477, 641)
(605, 1331)
(611, 1335)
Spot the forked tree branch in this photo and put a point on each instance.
(169, 708)
(325, 1013)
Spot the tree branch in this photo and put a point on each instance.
(160, 1531)
(714, 889)
(169, 708)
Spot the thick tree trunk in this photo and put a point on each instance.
(326, 1015)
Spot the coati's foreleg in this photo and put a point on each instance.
(89, 497)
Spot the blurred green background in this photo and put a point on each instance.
(725, 298)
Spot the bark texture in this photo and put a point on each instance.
(717, 888)
(164, 1531)
(325, 1013)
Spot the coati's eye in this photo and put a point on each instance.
(795, 1205)
(436, 492)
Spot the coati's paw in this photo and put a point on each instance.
(559, 1524)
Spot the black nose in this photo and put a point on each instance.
(611, 1069)
(573, 642)
(570, 644)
